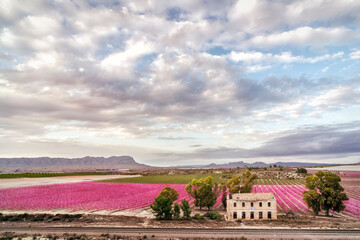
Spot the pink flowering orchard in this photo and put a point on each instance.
(130, 196)
(289, 197)
(85, 195)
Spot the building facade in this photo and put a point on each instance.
(251, 206)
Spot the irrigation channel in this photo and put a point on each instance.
(204, 232)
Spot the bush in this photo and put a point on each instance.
(301, 170)
(213, 215)
(176, 212)
(198, 217)
(162, 208)
(185, 207)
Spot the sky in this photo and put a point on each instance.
(181, 82)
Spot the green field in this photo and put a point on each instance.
(185, 179)
(39, 175)
(167, 179)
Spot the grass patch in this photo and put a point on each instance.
(39, 175)
(168, 179)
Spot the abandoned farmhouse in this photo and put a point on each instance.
(251, 206)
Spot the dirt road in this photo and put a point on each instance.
(196, 232)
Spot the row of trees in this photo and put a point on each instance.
(204, 191)
(164, 209)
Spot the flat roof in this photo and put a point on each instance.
(253, 196)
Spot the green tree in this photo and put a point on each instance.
(248, 181)
(204, 191)
(324, 190)
(312, 199)
(168, 192)
(301, 170)
(185, 207)
(234, 184)
(176, 212)
(224, 200)
(162, 208)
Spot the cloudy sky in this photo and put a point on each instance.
(181, 82)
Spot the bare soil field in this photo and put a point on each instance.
(23, 182)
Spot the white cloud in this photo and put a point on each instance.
(284, 57)
(336, 97)
(306, 36)
(126, 58)
(355, 55)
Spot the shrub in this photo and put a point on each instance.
(176, 212)
(213, 215)
(198, 217)
(301, 170)
(185, 207)
(162, 208)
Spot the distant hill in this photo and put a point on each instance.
(46, 164)
(255, 164)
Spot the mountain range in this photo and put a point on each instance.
(255, 164)
(46, 164)
(114, 163)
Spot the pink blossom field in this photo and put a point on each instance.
(84, 196)
(289, 197)
(131, 196)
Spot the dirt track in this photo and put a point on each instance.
(198, 232)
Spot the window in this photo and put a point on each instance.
(252, 204)
(230, 196)
(234, 204)
(269, 215)
(243, 215)
(251, 215)
(243, 204)
(260, 204)
(269, 204)
(235, 215)
(260, 215)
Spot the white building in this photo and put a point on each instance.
(251, 206)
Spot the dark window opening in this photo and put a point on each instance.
(234, 204)
(260, 204)
(235, 215)
(252, 215)
(269, 215)
(243, 204)
(252, 204)
(243, 215)
(260, 215)
(269, 204)
(230, 196)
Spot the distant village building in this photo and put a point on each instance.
(251, 206)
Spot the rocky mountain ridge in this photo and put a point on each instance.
(47, 164)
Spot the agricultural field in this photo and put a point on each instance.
(165, 179)
(131, 196)
(84, 196)
(289, 198)
(134, 194)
